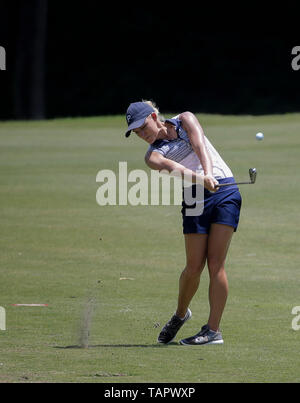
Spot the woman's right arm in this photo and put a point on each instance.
(158, 162)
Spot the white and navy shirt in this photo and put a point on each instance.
(180, 150)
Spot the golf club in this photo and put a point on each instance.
(252, 175)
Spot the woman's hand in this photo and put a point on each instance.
(210, 182)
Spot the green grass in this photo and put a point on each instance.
(58, 247)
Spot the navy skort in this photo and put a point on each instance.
(221, 207)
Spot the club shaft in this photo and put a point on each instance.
(233, 183)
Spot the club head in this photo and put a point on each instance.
(252, 174)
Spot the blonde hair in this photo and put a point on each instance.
(155, 107)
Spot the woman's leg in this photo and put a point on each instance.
(218, 243)
(196, 250)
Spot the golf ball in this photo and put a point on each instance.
(259, 136)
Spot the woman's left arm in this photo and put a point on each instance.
(196, 135)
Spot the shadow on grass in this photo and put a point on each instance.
(118, 346)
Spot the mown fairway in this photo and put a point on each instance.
(60, 248)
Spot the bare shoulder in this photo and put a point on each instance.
(152, 157)
(191, 125)
(184, 116)
(188, 119)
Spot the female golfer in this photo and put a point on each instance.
(180, 144)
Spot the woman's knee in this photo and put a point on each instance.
(215, 267)
(194, 269)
